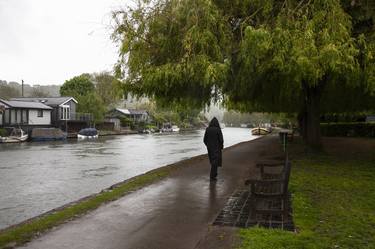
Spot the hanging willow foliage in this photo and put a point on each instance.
(304, 56)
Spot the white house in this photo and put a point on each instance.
(25, 114)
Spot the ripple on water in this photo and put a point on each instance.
(102, 171)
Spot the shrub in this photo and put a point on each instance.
(348, 129)
(126, 122)
(3, 132)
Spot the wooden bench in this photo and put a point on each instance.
(270, 199)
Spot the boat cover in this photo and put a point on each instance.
(88, 132)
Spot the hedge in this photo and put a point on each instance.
(348, 129)
(3, 132)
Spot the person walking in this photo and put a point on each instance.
(213, 139)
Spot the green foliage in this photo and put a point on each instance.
(184, 116)
(7, 92)
(333, 205)
(77, 86)
(108, 88)
(300, 50)
(254, 119)
(126, 122)
(260, 53)
(3, 132)
(92, 98)
(91, 103)
(38, 92)
(359, 129)
(265, 56)
(173, 49)
(344, 117)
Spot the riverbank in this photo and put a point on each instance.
(333, 199)
(23, 232)
(73, 135)
(178, 207)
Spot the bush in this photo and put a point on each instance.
(126, 122)
(348, 129)
(3, 132)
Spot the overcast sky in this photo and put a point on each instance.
(47, 42)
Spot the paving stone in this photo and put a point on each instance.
(237, 212)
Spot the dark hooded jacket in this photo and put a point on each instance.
(213, 139)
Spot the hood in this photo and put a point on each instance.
(214, 123)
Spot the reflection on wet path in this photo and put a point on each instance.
(37, 177)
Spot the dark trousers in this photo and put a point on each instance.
(213, 172)
(215, 161)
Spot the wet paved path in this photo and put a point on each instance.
(174, 213)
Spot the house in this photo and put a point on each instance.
(24, 114)
(63, 112)
(133, 114)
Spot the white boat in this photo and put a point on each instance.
(175, 128)
(169, 128)
(16, 135)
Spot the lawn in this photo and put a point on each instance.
(333, 200)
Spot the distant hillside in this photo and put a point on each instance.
(14, 89)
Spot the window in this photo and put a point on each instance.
(65, 112)
(7, 116)
(13, 117)
(40, 113)
(18, 116)
(24, 117)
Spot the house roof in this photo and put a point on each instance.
(123, 111)
(130, 111)
(53, 101)
(137, 112)
(24, 104)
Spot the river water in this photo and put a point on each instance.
(37, 177)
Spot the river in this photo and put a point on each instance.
(37, 177)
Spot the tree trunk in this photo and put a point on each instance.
(302, 123)
(313, 138)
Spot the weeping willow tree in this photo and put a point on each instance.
(307, 57)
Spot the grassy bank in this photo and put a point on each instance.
(24, 232)
(333, 200)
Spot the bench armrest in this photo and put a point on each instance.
(265, 181)
(270, 164)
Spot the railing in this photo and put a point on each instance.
(77, 116)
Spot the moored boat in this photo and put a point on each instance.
(15, 135)
(88, 133)
(169, 128)
(47, 134)
(259, 131)
(175, 128)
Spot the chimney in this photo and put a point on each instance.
(22, 88)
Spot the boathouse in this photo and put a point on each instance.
(24, 114)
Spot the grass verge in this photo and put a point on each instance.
(333, 203)
(24, 232)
